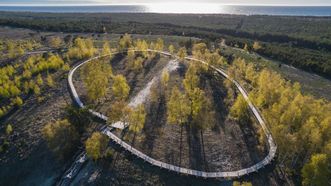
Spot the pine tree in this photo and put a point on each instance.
(27, 74)
(159, 44)
(316, 171)
(96, 146)
(171, 49)
(239, 110)
(137, 64)
(61, 137)
(55, 42)
(236, 183)
(246, 48)
(29, 45)
(125, 42)
(197, 99)
(178, 108)
(11, 49)
(178, 111)
(83, 48)
(9, 129)
(106, 49)
(191, 79)
(199, 50)
(182, 53)
(66, 67)
(18, 101)
(256, 46)
(119, 111)
(164, 80)
(216, 60)
(137, 119)
(50, 81)
(40, 80)
(142, 45)
(2, 113)
(131, 56)
(90, 49)
(14, 90)
(96, 76)
(20, 50)
(36, 89)
(120, 88)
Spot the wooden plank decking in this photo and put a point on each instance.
(228, 174)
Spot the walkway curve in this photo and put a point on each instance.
(226, 174)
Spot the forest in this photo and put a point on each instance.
(300, 123)
(302, 47)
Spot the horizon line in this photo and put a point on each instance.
(146, 4)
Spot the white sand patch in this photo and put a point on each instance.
(142, 96)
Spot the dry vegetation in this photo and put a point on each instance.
(192, 117)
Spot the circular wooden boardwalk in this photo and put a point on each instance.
(223, 174)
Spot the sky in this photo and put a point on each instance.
(241, 2)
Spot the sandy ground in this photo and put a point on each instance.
(227, 149)
(28, 161)
(228, 146)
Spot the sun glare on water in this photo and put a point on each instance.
(184, 8)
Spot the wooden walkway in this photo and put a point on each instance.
(227, 174)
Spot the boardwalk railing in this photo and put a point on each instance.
(222, 174)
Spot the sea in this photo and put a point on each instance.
(179, 8)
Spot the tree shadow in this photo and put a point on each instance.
(150, 64)
(182, 70)
(137, 167)
(117, 62)
(211, 83)
(155, 120)
(196, 159)
(249, 138)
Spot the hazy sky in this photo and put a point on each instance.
(246, 2)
